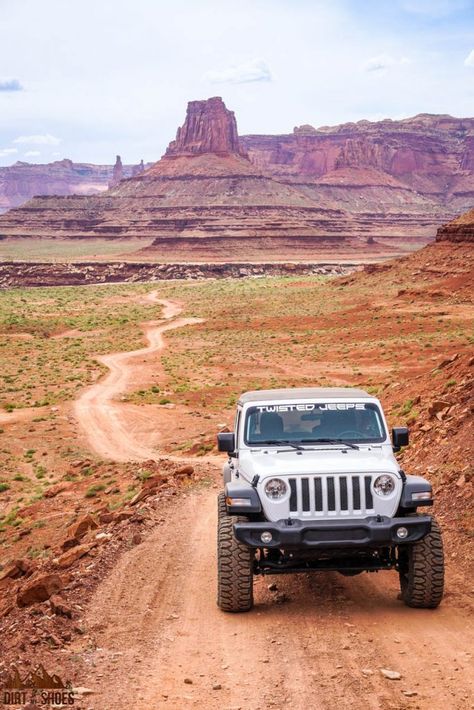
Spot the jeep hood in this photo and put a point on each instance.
(373, 459)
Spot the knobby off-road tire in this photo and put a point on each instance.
(422, 571)
(234, 564)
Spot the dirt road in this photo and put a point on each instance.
(321, 645)
(107, 429)
(319, 642)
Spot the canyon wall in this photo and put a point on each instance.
(215, 195)
(22, 181)
(425, 158)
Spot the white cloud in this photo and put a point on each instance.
(45, 139)
(382, 62)
(10, 85)
(5, 152)
(32, 153)
(253, 70)
(469, 61)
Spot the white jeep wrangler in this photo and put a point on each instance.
(312, 484)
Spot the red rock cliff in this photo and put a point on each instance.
(22, 181)
(427, 155)
(460, 229)
(209, 128)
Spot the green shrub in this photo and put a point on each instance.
(93, 490)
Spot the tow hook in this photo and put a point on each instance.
(255, 480)
(379, 519)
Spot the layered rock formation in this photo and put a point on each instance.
(16, 274)
(417, 165)
(209, 128)
(117, 172)
(459, 230)
(22, 181)
(203, 199)
(352, 189)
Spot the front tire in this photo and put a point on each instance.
(234, 564)
(422, 570)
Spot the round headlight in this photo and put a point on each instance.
(384, 485)
(275, 488)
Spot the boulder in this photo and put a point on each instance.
(54, 490)
(75, 553)
(437, 405)
(16, 568)
(59, 606)
(82, 526)
(153, 482)
(184, 471)
(39, 589)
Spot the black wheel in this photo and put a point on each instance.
(422, 570)
(234, 564)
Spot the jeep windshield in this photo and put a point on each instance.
(312, 423)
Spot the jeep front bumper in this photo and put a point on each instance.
(374, 531)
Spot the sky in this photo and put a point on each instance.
(89, 79)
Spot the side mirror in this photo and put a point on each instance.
(399, 437)
(226, 442)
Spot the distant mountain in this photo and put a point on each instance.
(389, 184)
(22, 181)
(381, 166)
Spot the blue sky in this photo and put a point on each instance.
(86, 79)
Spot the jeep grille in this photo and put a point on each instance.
(331, 495)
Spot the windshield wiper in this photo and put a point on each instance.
(330, 441)
(283, 442)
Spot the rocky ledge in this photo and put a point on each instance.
(15, 274)
(459, 230)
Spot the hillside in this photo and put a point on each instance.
(460, 229)
(111, 405)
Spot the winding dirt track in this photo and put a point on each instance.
(101, 418)
(317, 643)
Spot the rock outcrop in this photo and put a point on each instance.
(203, 200)
(23, 274)
(117, 172)
(426, 162)
(39, 589)
(137, 169)
(209, 127)
(460, 229)
(315, 193)
(22, 181)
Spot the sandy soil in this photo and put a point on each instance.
(109, 426)
(316, 641)
(154, 635)
(322, 645)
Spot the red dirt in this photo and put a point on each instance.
(150, 634)
(111, 430)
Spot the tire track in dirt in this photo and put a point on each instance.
(107, 430)
(154, 623)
